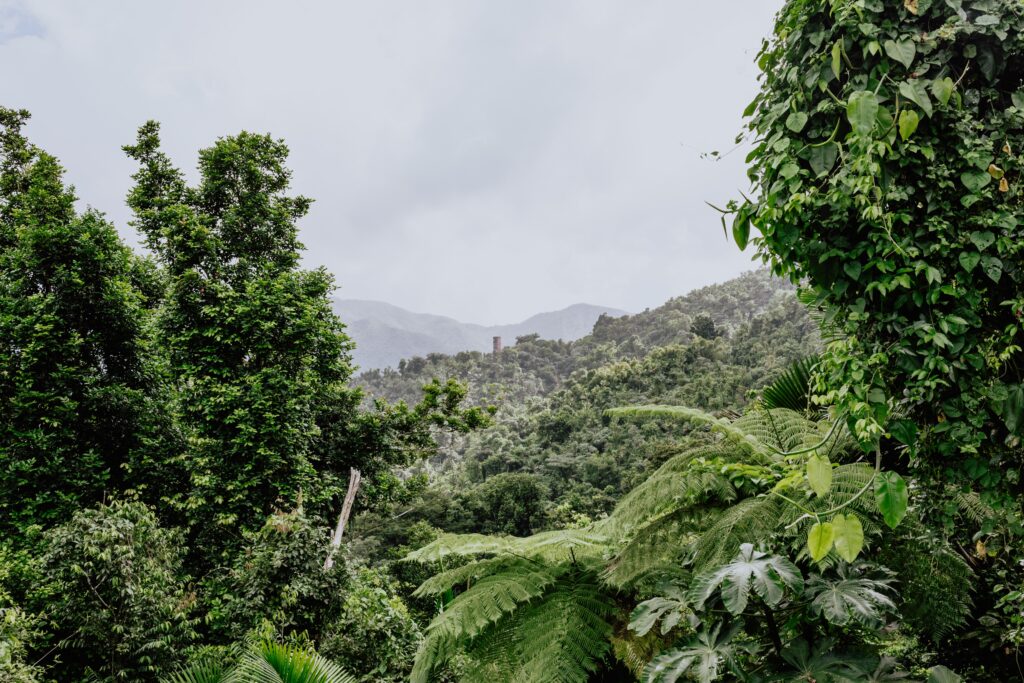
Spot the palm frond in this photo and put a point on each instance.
(276, 663)
(791, 389)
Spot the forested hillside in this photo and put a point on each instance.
(386, 334)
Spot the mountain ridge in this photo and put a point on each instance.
(385, 333)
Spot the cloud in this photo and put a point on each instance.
(481, 160)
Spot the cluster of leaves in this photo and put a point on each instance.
(886, 174)
(730, 606)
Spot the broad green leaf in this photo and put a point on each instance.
(648, 612)
(796, 121)
(852, 269)
(982, 239)
(908, 123)
(993, 267)
(974, 179)
(942, 89)
(741, 228)
(823, 158)
(1013, 408)
(849, 536)
(969, 259)
(820, 539)
(940, 674)
(862, 110)
(819, 474)
(891, 496)
(902, 51)
(768, 576)
(915, 91)
(837, 57)
(904, 431)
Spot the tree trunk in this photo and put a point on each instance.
(346, 510)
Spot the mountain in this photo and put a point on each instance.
(385, 334)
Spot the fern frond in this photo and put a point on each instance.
(467, 574)
(559, 639)
(485, 603)
(935, 586)
(654, 548)
(753, 518)
(691, 415)
(459, 545)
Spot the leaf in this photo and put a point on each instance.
(851, 596)
(908, 123)
(647, 613)
(915, 91)
(942, 89)
(819, 474)
(837, 59)
(982, 239)
(796, 121)
(849, 536)
(741, 228)
(823, 158)
(974, 179)
(902, 51)
(852, 268)
(1013, 408)
(940, 674)
(891, 496)
(820, 539)
(700, 658)
(1018, 99)
(862, 110)
(768, 576)
(904, 431)
(995, 171)
(993, 267)
(969, 259)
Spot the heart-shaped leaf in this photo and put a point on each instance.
(904, 431)
(819, 474)
(823, 158)
(849, 536)
(982, 239)
(796, 121)
(993, 267)
(902, 51)
(820, 539)
(862, 110)
(942, 89)
(915, 91)
(974, 179)
(969, 259)
(891, 496)
(908, 123)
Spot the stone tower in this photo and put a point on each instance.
(497, 345)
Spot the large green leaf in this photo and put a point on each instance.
(667, 609)
(862, 111)
(849, 536)
(819, 540)
(768, 576)
(940, 674)
(819, 474)
(891, 496)
(916, 91)
(902, 51)
(908, 123)
(702, 658)
(851, 596)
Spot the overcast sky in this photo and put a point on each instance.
(484, 160)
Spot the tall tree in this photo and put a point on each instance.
(254, 350)
(74, 382)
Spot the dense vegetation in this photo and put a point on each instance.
(759, 481)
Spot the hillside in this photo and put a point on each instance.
(385, 334)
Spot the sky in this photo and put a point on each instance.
(478, 159)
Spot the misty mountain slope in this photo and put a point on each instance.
(385, 334)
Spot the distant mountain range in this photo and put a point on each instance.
(384, 334)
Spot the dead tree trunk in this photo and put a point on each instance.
(346, 510)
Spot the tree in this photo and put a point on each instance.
(887, 177)
(117, 593)
(76, 385)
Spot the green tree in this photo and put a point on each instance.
(118, 594)
(887, 177)
(75, 384)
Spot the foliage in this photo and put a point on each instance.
(886, 177)
(279, 577)
(267, 662)
(75, 389)
(375, 636)
(118, 593)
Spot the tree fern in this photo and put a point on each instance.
(792, 388)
